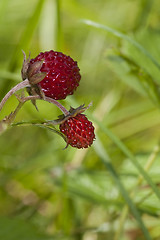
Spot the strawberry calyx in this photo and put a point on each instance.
(72, 113)
(79, 131)
(32, 72)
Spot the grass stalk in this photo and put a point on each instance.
(107, 162)
(125, 210)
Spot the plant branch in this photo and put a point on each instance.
(59, 105)
(47, 99)
(19, 86)
(7, 121)
(24, 84)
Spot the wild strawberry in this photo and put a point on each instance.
(61, 74)
(78, 130)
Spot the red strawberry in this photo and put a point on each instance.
(62, 74)
(78, 130)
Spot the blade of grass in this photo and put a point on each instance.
(145, 10)
(135, 76)
(58, 25)
(106, 161)
(124, 212)
(124, 37)
(27, 34)
(128, 153)
(24, 41)
(125, 150)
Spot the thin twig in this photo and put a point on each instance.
(24, 84)
(19, 86)
(59, 105)
(47, 99)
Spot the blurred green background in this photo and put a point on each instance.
(111, 190)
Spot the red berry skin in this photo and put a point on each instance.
(62, 74)
(79, 131)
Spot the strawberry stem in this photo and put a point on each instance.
(24, 84)
(59, 105)
(19, 86)
(47, 99)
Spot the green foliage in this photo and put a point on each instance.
(111, 190)
(25, 230)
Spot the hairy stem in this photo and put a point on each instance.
(47, 99)
(24, 84)
(19, 86)
(59, 105)
(7, 121)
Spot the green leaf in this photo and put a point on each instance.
(150, 41)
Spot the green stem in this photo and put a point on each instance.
(150, 162)
(122, 219)
(13, 115)
(7, 121)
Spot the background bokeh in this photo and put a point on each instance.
(97, 193)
